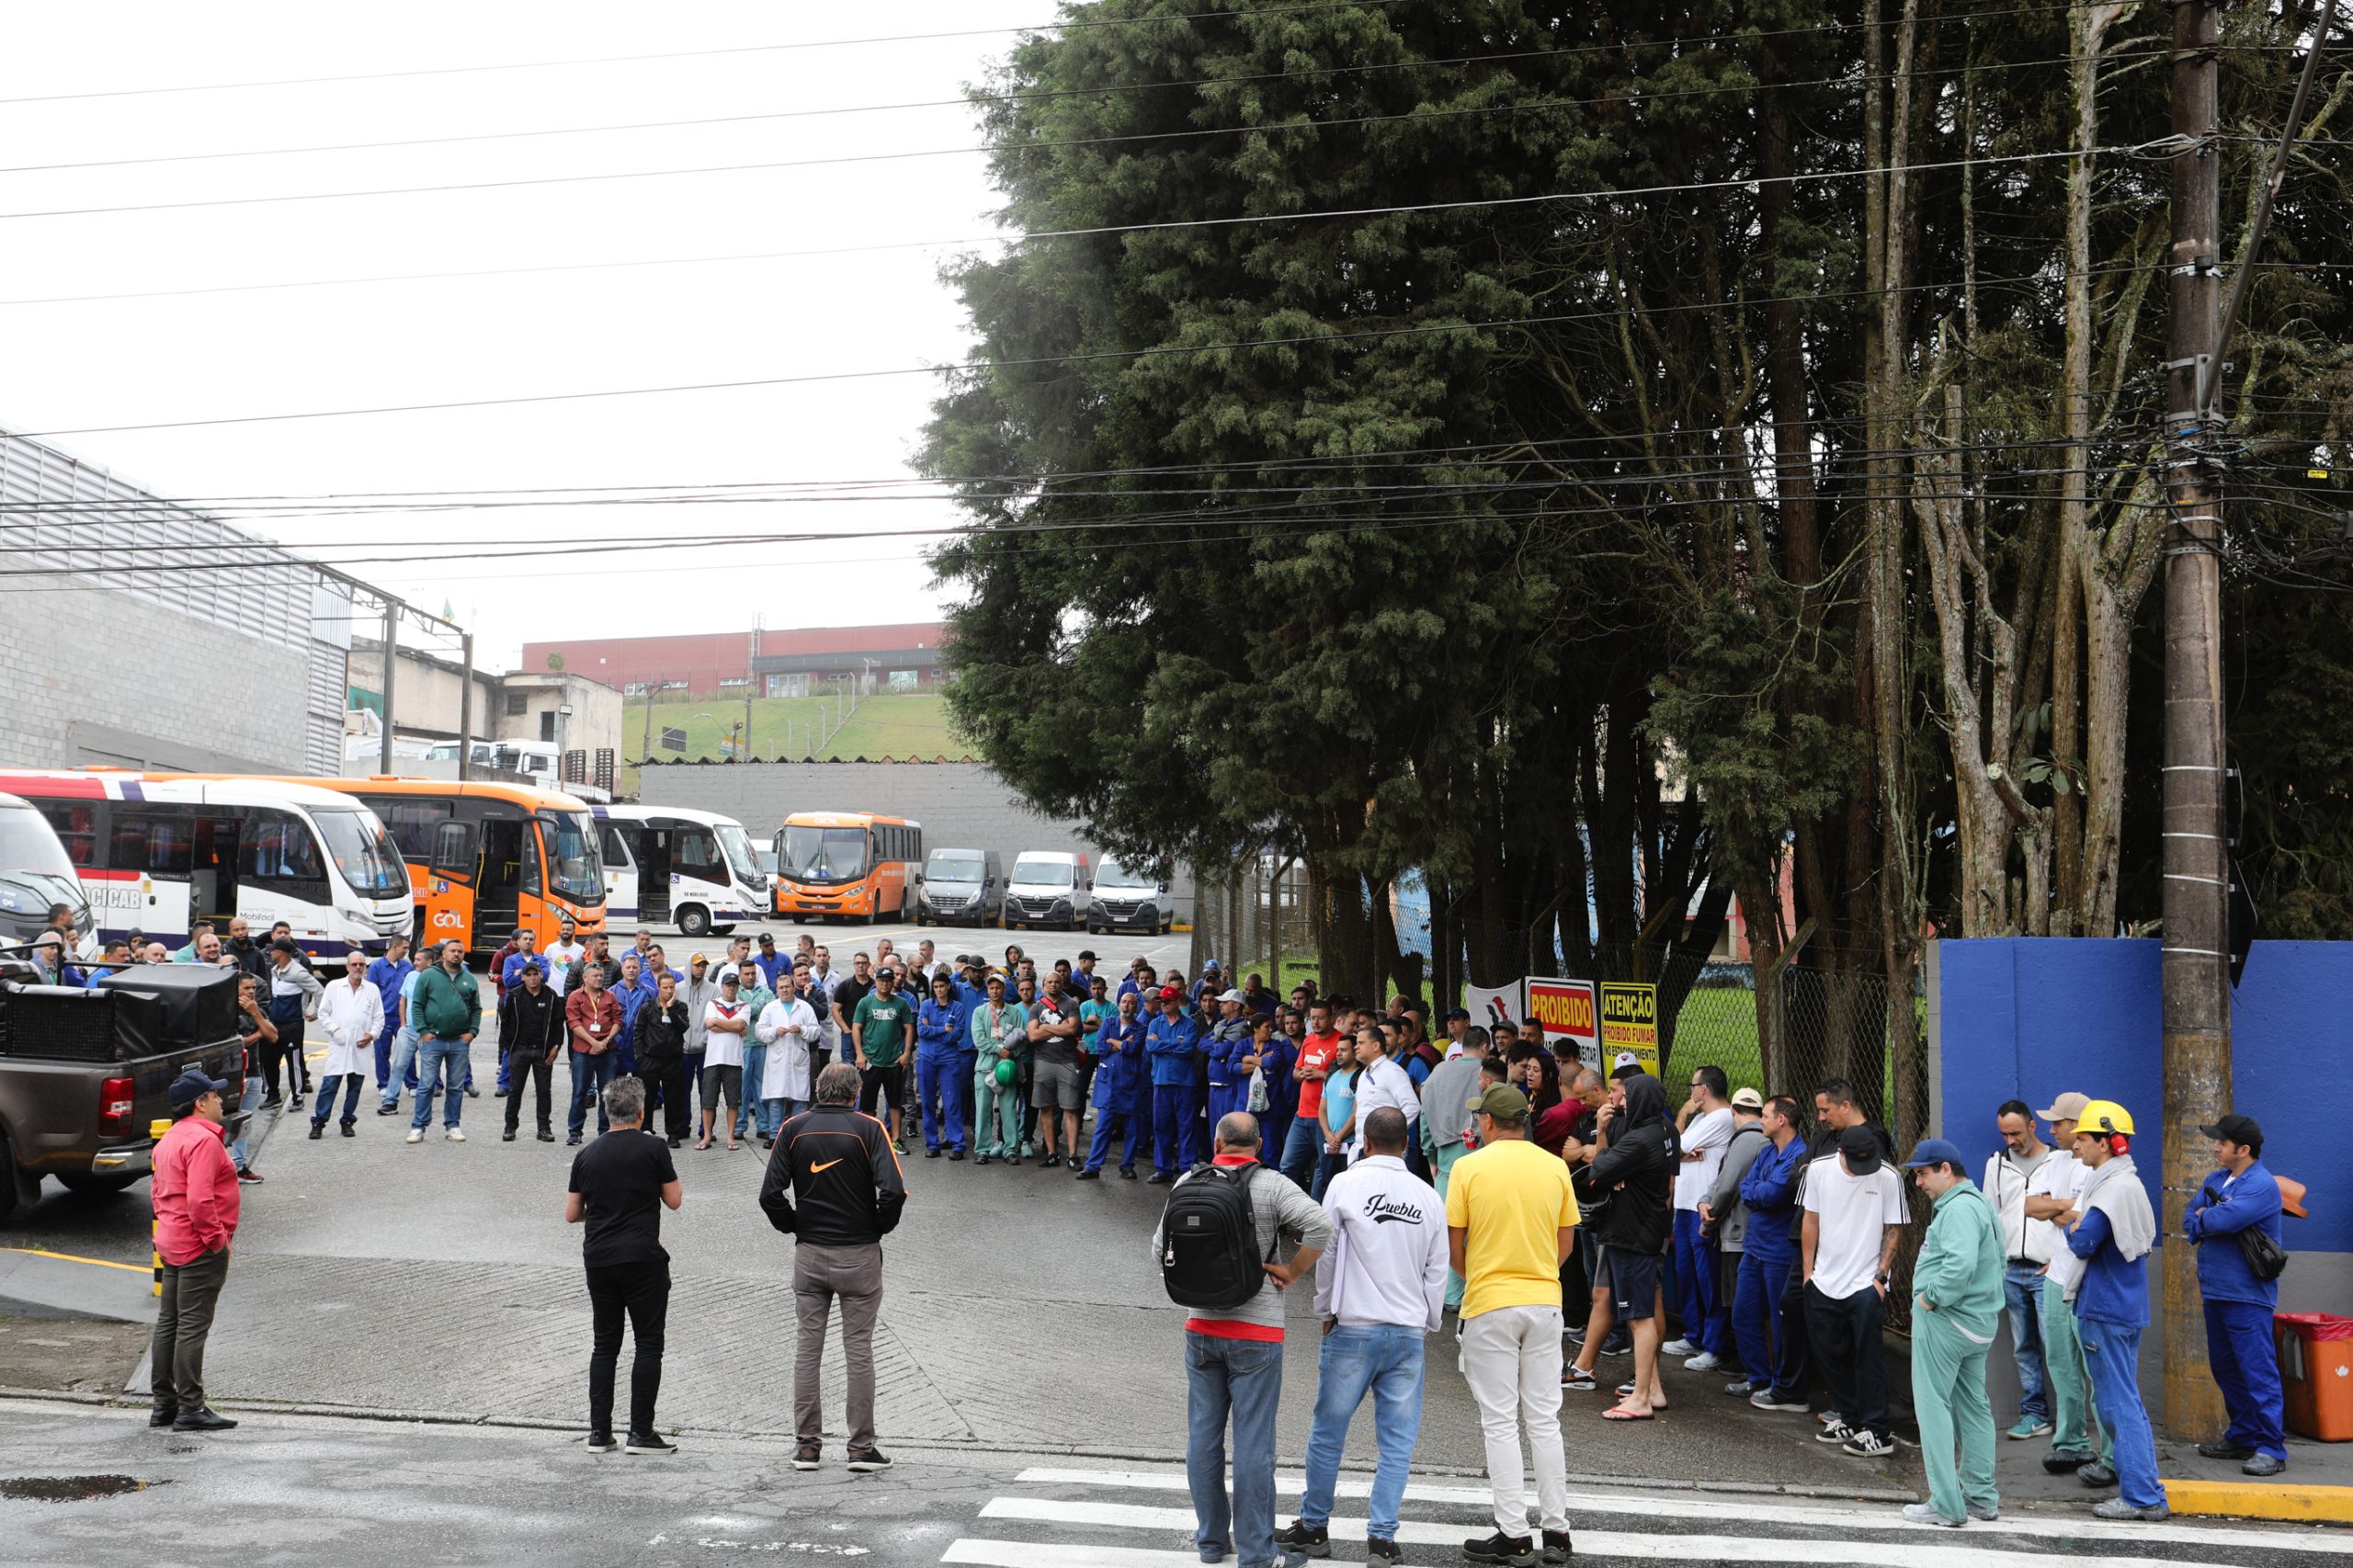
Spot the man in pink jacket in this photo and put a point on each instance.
(196, 1194)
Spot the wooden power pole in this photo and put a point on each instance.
(2196, 961)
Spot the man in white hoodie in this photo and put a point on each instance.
(1379, 1289)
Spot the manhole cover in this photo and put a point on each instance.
(70, 1488)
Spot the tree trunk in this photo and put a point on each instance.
(1344, 939)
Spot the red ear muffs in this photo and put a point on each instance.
(2120, 1142)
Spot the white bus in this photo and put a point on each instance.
(670, 865)
(158, 854)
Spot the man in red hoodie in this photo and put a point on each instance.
(195, 1192)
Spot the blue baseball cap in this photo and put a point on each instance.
(193, 1086)
(1936, 1151)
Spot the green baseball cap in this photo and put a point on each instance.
(1501, 1101)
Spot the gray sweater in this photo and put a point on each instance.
(1724, 1199)
(1277, 1207)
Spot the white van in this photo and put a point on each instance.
(1126, 899)
(1049, 887)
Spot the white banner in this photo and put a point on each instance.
(1489, 1007)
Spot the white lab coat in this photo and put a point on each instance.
(352, 1017)
(788, 1028)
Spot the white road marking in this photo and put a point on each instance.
(1604, 1543)
(1691, 1505)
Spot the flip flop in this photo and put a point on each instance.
(1620, 1412)
(732, 1145)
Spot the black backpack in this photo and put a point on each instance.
(1209, 1240)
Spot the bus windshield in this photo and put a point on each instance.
(363, 854)
(824, 854)
(29, 844)
(1114, 875)
(573, 870)
(736, 844)
(949, 865)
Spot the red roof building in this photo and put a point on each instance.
(705, 663)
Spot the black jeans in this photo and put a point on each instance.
(183, 1322)
(643, 1291)
(669, 1085)
(1794, 1353)
(539, 1073)
(1851, 1356)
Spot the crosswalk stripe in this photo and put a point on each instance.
(1692, 1505)
(1605, 1543)
(1050, 1554)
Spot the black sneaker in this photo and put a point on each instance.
(1050, 1162)
(601, 1443)
(2095, 1474)
(931, 1154)
(391, 1109)
(546, 1136)
(867, 1460)
(1013, 1159)
(1090, 1175)
(1577, 1380)
(1315, 1541)
(507, 1136)
(2226, 1450)
(1557, 1547)
(1616, 1343)
(808, 1456)
(350, 1129)
(1519, 1550)
(573, 1141)
(318, 1130)
(163, 1415)
(1126, 1173)
(202, 1419)
(295, 1102)
(1379, 1551)
(2056, 1463)
(954, 1155)
(648, 1443)
(1159, 1179)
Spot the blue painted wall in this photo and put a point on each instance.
(2033, 1018)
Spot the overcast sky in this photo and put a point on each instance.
(72, 366)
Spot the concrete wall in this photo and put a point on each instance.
(595, 718)
(91, 675)
(960, 804)
(2032, 1019)
(428, 692)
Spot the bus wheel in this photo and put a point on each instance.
(694, 921)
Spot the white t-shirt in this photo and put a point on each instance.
(1708, 1136)
(1384, 1083)
(724, 1048)
(561, 957)
(1852, 1216)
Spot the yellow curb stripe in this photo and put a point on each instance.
(69, 1257)
(2262, 1500)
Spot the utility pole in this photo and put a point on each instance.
(391, 663)
(2196, 961)
(466, 710)
(645, 751)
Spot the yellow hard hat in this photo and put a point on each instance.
(2104, 1116)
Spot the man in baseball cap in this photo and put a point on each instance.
(1854, 1214)
(2077, 1443)
(2236, 1198)
(1627, 1066)
(1957, 1292)
(194, 1189)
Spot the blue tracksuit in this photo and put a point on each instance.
(1118, 1091)
(942, 1032)
(1770, 1192)
(2239, 1346)
(1170, 1044)
(1282, 1096)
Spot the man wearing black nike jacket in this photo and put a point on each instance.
(840, 1165)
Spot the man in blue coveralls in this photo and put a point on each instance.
(1170, 1043)
(1118, 1090)
(2240, 1196)
(386, 974)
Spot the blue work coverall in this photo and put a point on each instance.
(943, 1070)
(1119, 1091)
(2239, 1346)
(1171, 1043)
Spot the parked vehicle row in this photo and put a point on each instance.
(1047, 888)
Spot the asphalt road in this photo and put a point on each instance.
(86, 1488)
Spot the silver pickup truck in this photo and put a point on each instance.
(84, 1072)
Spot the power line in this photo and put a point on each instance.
(1333, 340)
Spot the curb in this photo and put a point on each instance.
(2262, 1500)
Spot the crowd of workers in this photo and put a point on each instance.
(1776, 1249)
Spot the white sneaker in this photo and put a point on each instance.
(456, 1135)
(1926, 1514)
(1703, 1362)
(1678, 1347)
(415, 1135)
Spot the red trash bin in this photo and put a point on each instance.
(2316, 1373)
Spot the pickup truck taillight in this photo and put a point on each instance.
(115, 1099)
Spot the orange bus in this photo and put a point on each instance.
(484, 859)
(848, 865)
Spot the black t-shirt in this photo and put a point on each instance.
(848, 992)
(1055, 1050)
(620, 1179)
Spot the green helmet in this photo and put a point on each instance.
(1006, 1073)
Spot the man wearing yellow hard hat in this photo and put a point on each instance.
(2109, 1246)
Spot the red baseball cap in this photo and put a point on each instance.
(1170, 993)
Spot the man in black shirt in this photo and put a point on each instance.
(616, 1182)
(839, 1163)
(530, 1030)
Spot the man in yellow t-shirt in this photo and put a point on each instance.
(1511, 1218)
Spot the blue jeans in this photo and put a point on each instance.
(940, 1077)
(248, 1102)
(384, 1056)
(350, 1082)
(755, 1061)
(1695, 1283)
(589, 1077)
(441, 1061)
(1241, 1380)
(1302, 1146)
(1756, 1310)
(2022, 1293)
(402, 1071)
(1385, 1358)
(2112, 1353)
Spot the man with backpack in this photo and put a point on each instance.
(1217, 1245)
